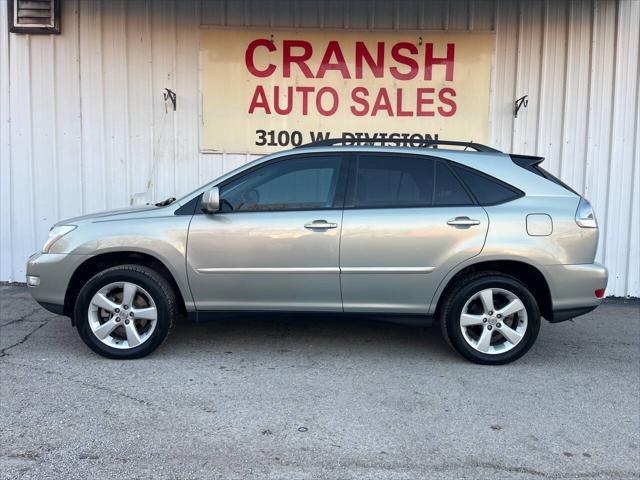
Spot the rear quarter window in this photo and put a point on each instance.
(486, 190)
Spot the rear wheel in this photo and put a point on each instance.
(490, 318)
(125, 311)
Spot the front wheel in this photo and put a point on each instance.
(125, 311)
(490, 318)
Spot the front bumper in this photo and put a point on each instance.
(54, 272)
(573, 289)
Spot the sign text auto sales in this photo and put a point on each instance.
(401, 61)
(262, 91)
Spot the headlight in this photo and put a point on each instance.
(55, 234)
(585, 217)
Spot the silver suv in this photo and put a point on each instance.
(481, 242)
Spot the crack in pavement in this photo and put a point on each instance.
(82, 383)
(23, 318)
(3, 352)
(593, 474)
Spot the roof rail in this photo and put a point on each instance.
(359, 141)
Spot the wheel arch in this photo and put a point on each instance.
(102, 261)
(529, 274)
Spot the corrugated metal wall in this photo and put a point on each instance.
(84, 128)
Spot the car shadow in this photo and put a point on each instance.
(338, 334)
(23, 319)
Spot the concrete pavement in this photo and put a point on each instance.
(313, 398)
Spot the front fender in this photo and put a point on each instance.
(164, 238)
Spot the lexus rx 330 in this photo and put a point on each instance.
(481, 242)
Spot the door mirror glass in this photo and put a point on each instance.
(211, 200)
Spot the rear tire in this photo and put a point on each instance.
(125, 312)
(490, 318)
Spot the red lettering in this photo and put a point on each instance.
(404, 60)
(248, 57)
(430, 61)
(276, 101)
(422, 102)
(333, 48)
(447, 101)
(376, 67)
(259, 100)
(305, 97)
(382, 102)
(301, 60)
(399, 111)
(359, 95)
(334, 105)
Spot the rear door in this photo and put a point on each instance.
(407, 222)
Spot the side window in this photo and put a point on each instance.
(486, 190)
(296, 184)
(393, 181)
(448, 189)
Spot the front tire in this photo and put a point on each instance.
(490, 318)
(125, 312)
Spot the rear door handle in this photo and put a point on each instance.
(463, 222)
(320, 225)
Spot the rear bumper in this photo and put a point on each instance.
(53, 272)
(573, 289)
(569, 313)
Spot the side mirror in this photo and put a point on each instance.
(211, 200)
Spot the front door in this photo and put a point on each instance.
(275, 243)
(407, 222)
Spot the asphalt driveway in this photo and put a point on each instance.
(309, 398)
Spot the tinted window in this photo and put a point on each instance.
(295, 184)
(448, 190)
(391, 181)
(486, 190)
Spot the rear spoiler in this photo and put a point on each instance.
(526, 161)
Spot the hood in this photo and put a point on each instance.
(108, 215)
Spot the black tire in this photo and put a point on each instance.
(462, 291)
(158, 288)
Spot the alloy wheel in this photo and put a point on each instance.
(493, 321)
(122, 315)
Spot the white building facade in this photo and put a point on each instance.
(84, 125)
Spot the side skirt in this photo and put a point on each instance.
(218, 315)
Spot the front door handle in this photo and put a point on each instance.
(463, 222)
(320, 225)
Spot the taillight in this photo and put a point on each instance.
(585, 217)
(599, 292)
